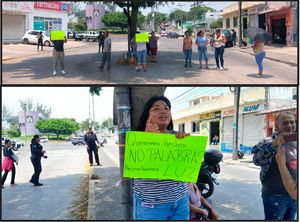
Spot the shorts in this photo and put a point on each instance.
(153, 51)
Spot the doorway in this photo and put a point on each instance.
(214, 130)
(279, 31)
(262, 21)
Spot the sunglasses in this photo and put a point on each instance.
(286, 122)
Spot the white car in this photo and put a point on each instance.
(17, 144)
(30, 38)
(43, 139)
(163, 34)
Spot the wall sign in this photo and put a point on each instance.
(56, 6)
(212, 115)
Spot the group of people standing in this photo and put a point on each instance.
(217, 41)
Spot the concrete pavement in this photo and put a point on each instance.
(278, 53)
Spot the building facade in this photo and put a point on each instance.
(27, 121)
(18, 17)
(277, 18)
(93, 15)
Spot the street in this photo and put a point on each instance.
(238, 196)
(62, 174)
(82, 61)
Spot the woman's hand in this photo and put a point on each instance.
(151, 127)
(214, 214)
(181, 135)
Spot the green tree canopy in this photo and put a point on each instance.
(199, 11)
(108, 123)
(63, 126)
(115, 19)
(159, 18)
(217, 24)
(85, 124)
(179, 15)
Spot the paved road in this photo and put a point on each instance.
(62, 174)
(238, 196)
(82, 62)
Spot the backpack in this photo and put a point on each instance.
(91, 140)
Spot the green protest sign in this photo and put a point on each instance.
(163, 156)
(57, 35)
(142, 37)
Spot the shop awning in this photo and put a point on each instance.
(274, 10)
(276, 110)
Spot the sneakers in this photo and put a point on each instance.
(63, 72)
(31, 181)
(99, 164)
(221, 68)
(54, 73)
(38, 184)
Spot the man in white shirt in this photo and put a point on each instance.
(106, 55)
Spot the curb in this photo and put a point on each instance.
(272, 59)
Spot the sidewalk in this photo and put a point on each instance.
(247, 160)
(283, 54)
(104, 192)
(19, 50)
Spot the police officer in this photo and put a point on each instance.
(37, 153)
(91, 141)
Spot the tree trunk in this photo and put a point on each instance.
(133, 19)
(139, 96)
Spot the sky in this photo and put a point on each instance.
(73, 102)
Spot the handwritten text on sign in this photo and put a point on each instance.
(163, 156)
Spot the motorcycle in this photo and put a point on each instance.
(209, 168)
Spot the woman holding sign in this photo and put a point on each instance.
(141, 49)
(159, 199)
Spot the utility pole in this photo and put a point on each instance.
(93, 122)
(180, 5)
(90, 118)
(153, 18)
(122, 101)
(126, 11)
(236, 123)
(240, 23)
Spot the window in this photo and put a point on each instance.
(196, 126)
(33, 33)
(235, 21)
(227, 23)
(181, 127)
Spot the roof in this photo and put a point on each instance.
(245, 5)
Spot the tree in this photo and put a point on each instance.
(189, 29)
(110, 7)
(217, 24)
(199, 11)
(159, 18)
(14, 130)
(115, 19)
(8, 116)
(85, 124)
(95, 90)
(27, 106)
(179, 16)
(80, 25)
(108, 123)
(64, 126)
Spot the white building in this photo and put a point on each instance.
(18, 17)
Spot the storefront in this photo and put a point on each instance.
(49, 16)
(15, 19)
(280, 25)
(210, 125)
(250, 128)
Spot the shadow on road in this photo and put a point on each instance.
(264, 76)
(51, 201)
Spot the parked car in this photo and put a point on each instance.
(30, 38)
(173, 35)
(229, 39)
(163, 33)
(89, 35)
(78, 141)
(44, 139)
(17, 144)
